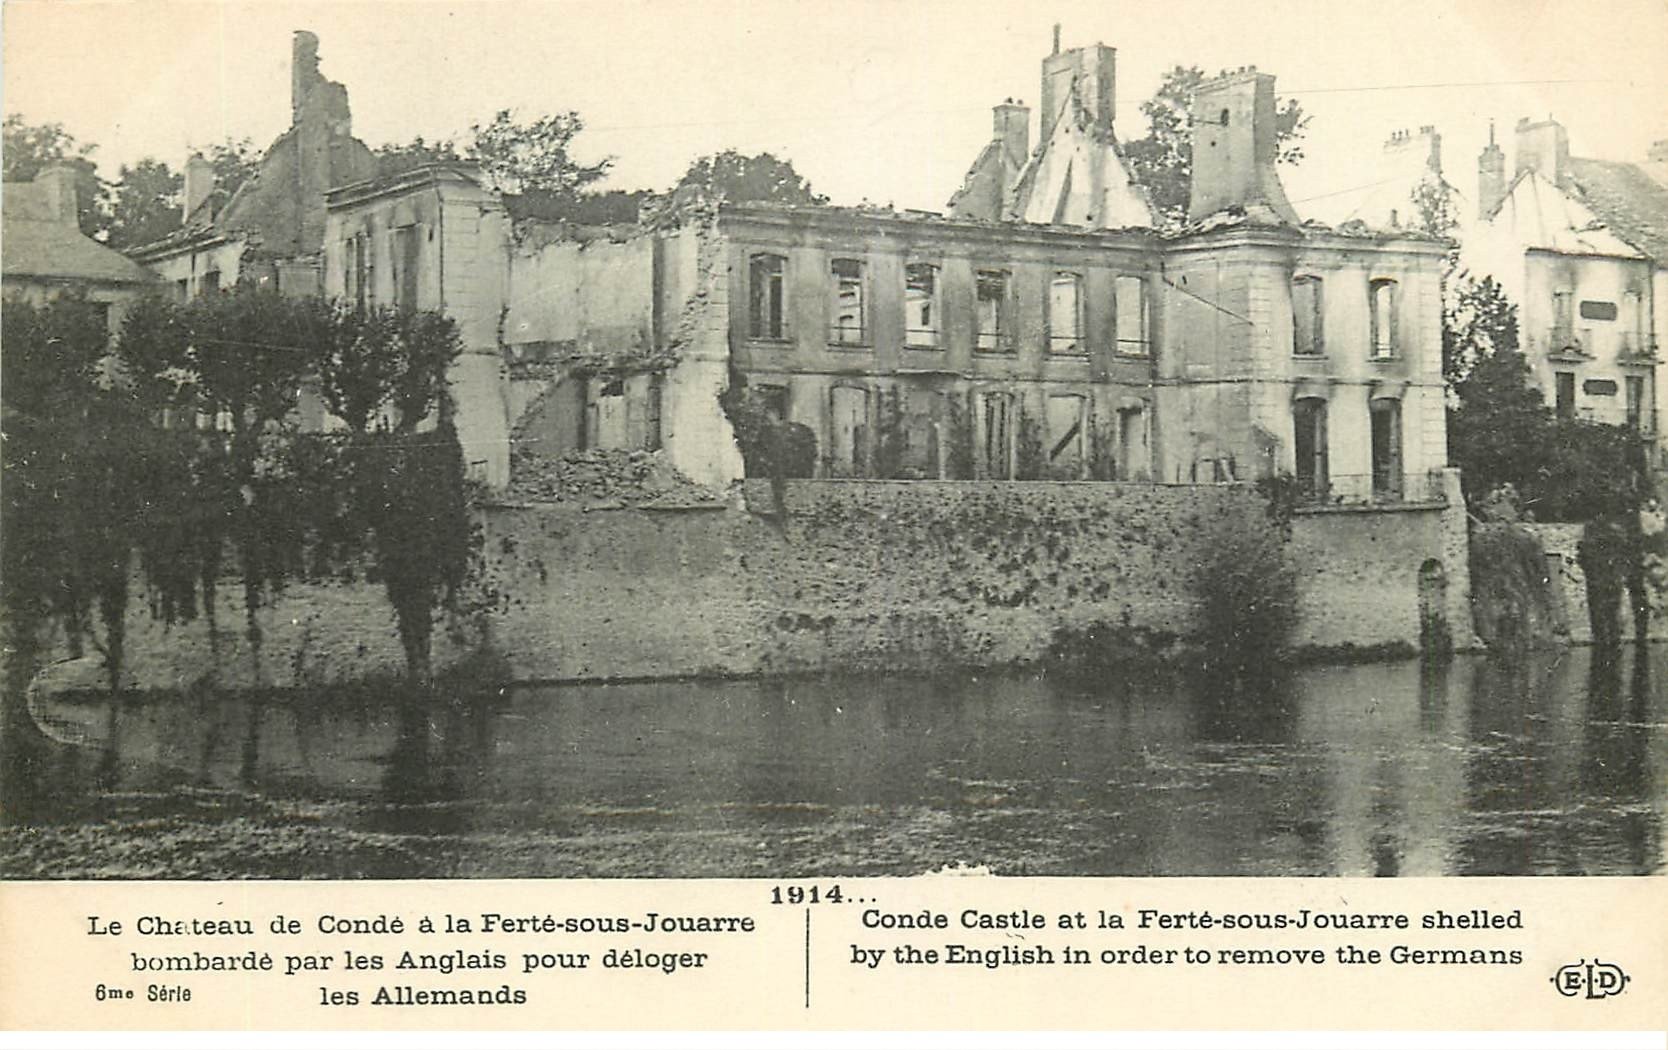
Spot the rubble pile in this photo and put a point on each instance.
(602, 477)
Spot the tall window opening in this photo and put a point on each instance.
(653, 426)
(848, 322)
(1563, 319)
(921, 306)
(406, 248)
(1387, 448)
(1066, 421)
(1382, 299)
(1309, 446)
(1564, 394)
(1134, 461)
(1065, 314)
(765, 313)
(1635, 402)
(1130, 304)
(995, 311)
(848, 432)
(999, 435)
(1308, 339)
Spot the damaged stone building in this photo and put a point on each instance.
(1045, 327)
(1581, 247)
(269, 230)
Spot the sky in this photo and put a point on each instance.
(881, 101)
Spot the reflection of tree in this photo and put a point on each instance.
(1614, 762)
(1499, 776)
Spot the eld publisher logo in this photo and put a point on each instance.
(1594, 980)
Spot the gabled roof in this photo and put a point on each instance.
(1544, 216)
(33, 246)
(1627, 200)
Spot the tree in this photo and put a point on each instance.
(1478, 322)
(534, 156)
(146, 204)
(383, 372)
(1501, 432)
(1162, 160)
(733, 176)
(29, 148)
(292, 504)
(73, 460)
(397, 157)
(235, 162)
(516, 157)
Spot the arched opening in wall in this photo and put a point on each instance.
(1434, 636)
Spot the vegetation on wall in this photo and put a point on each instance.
(1245, 587)
(1501, 433)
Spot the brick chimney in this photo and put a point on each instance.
(199, 184)
(62, 199)
(1012, 122)
(1426, 145)
(1083, 74)
(1543, 147)
(1491, 176)
(1235, 147)
(304, 71)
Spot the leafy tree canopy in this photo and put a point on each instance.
(516, 156)
(146, 204)
(1162, 160)
(1501, 432)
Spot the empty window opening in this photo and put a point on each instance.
(1130, 303)
(1308, 338)
(1387, 448)
(1564, 394)
(1133, 457)
(849, 432)
(406, 247)
(921, 306)
(1065, 314)
(1065, 436)
(1309, 446)
(1382, 297)
(848, 321)
(999, 437)
(765, 297)
(994, 310)
(1598, 310)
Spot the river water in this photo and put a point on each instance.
(1557, 764)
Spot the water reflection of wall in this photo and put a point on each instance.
(1393, 737)
(1390, 769)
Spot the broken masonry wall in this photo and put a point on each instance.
(859, 575)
